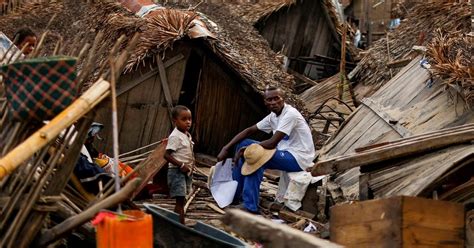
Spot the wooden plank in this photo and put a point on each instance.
(415, 236)
(382, 233)
(126, 86)
(164, 83)
(270, 234)
(432, 223)
(175, 75)
(391, 122)
(398, 63)
(398, 222)
(153, 165)
(139, 101)
(346, 162)
(360, 213)
(442, 215)
(375, 222)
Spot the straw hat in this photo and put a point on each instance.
(255, 156)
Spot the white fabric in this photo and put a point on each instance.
(145, 10)
(13, 52)
(86, 153)
(182, 146)
(292, 188)
(222, 186)
(298, 140)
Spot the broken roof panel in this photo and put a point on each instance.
(407, 105)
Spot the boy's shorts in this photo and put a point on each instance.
(178, 182)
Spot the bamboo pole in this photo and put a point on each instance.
(115, 139)
(42, 137)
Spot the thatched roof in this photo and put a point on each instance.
(418, 28)
(256, 12)
(238, 44)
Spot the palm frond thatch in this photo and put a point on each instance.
(450, 56)
(418, 28)
(160, 31)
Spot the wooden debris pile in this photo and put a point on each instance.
(38, 159)
(404, 166)
(418, 28)
(202, 207)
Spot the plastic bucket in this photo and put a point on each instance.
(132, 229)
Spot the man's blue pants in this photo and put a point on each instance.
(248, 188)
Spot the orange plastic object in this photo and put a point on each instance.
(123, 232)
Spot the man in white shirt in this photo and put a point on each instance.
(291, 138)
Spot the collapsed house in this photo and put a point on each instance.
(423, 97)
(308, 33)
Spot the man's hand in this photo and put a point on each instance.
(239, 154)
(222, 155)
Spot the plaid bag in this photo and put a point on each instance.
(40, 88)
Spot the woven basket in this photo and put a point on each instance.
(40, 88)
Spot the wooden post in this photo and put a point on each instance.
(342, 65)
(364, 186)
(470, 228)
(164, 84)
(115, 137)
(270, 234)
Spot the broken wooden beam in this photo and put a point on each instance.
(275, 206)
(191, 198)
(398, 63)
(270, 234)
(391, 151)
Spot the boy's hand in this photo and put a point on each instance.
(186, 168)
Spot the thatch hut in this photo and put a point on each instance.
(307, 32)
(220, 78)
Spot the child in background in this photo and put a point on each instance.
(179, 154)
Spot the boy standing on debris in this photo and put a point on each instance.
(179, 154)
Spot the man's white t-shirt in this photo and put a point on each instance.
(298, 140)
